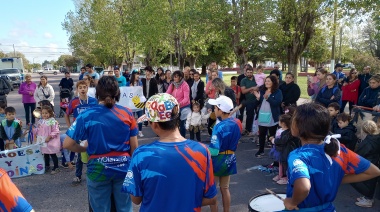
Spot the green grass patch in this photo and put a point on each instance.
(302, 83)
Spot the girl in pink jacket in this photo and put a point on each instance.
(47, 133)
(181, 91)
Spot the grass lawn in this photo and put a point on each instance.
(301, 83)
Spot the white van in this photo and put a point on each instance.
(12, 62)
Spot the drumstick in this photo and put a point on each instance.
(362, 107)
(276, 195)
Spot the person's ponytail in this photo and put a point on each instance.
(109, 102)
(332, 148)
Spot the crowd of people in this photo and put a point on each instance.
(119, 172)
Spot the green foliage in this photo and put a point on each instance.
(361, 61)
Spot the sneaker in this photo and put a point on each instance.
(276, 178)
(245, 133)
(72, 163)
(282, 181)
(141, 134)
(65, 166)
(259, 154)
(76, 181)
(364, 202)
(54, 171)
(360, 198)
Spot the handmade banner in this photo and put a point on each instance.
(23, 161)
(130, 97)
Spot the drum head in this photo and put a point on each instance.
(266, 203)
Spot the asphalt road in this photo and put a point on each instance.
(55, 192)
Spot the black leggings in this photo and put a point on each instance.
(47, 160)
(29, 108)
(350, 106)
(263, 131)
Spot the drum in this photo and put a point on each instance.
(362, 114)
(266, 203)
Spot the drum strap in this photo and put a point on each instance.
(316, 208)
(227, 152)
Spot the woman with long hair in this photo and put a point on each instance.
(270, 98)
(44, 91)
(316, 84)
(111, 134)
(350, 90)
(330, 92)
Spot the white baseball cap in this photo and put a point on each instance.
(224, 103)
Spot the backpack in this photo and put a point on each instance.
(334, 90)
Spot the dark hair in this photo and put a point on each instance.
(9, 110)
(275, 83)
(162, 70)
(259, 67)
(276, 72)
(350, 74)
(290, 74)
(89, 65)
(233, 78)
(167, 70)
(291, 110)
(172, 124)
(179, 74)
(317, 128)
(343, 117)
(67, 72)
(286, 119)
(197, 104)
(332, 76)
(149, 68)
(133, 78)
(49, 110)
(249, 68)
(193, 70)
(3, 104)
(162, 74)
(334, 105)
(108, 91)
(83, 68)
(42, 77)
(322, 71)
(247, 65)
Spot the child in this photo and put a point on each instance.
(47, 133)
(224, 141)
(160, 83)
(194, 121)
(3, 105)
(321, 164)
(369, 148)
(346, 130)
(236, 89)
(260, 76)
(333, 109)
(10, 129)
(284, 144)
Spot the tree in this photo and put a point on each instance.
(371, 35)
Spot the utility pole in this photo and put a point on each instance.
(340, 44)
(14, 51)
(333, 38)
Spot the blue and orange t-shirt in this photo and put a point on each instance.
(171, 176)
(108, 132)
(225, 137)
(76, 106)
(325, 173)
(11, 199)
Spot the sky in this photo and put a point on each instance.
(35, 23)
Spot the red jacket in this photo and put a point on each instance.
(351, 91)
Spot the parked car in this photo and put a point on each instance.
(47, 71)
(8, 80)
(15, 75)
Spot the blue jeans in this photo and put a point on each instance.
(100, 195)
(79, 167)
(72, 155)
(139, 114)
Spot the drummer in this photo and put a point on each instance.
(318, 167)
(370, 96)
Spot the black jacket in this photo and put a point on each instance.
(231, 94)
(290, 93)
(333, 124)
(153, 88)
(364, 78)
(369, 148)
(285, 144)
(370, 97)
(67, 83)
(325, 94)
(200, 93)
(348, 137)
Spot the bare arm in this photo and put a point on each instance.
(370, 173)
(207, 201)
(71, 145)
(133, 143)
(300, 192)
(136, 200)
(67, 120)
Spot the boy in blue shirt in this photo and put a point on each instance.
(119, 78)
(224, 141)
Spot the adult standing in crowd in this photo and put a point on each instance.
(277, 74)
(82, 71)
(44, 91)
(27, 89)
(90, 71)
(270, 98)
(168, 79)
(248, 86)
(149, 83)
(181, 91)
(214, 67)
(370, 96)
(67, 83)
(119, 78)
(350, 90)
(364, 78)
(109, 147)
(5, 88)
(135, 81)
(277, 70)
(314, 86)
(242, 96)
(338, 72)
(183, 179)
(198, 90)
(158, 74)
(186, 76)
(329, 93)
(291, 92)
(222, 89)
(210, 90)
(127, 75)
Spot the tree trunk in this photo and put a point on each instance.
(192, 61)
